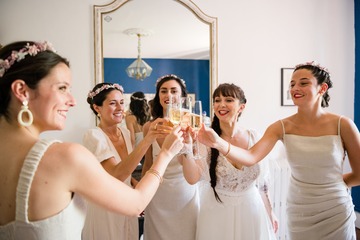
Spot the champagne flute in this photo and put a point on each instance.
(196, 121)
(185, 112)
(174, 109)
(179, 113)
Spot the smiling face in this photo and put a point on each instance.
(51, 101)
(227, 109)
(112, 109)
(169, 90)
(304, 88)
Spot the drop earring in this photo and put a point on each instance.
(25, 109)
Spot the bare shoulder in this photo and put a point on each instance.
(130, 118)
(275, 130)
(68, 153)
(347, 124)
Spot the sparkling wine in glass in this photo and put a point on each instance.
(196, 121)
(174, 110)
(185, 112)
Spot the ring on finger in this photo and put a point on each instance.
(155, 127)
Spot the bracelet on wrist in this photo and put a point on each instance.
(156, 174)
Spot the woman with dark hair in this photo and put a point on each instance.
(319, 204)
(41, 179)
(234, 202)
(112, 146)
(139, 114)
(173, 211)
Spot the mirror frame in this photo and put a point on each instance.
(100, 10)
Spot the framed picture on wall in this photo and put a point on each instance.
(285, 87)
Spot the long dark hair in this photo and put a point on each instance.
(139, 107)
(226, 90)
(31, 69)
(156, 108)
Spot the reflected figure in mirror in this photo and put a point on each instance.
(138, 115)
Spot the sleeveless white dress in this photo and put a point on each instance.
(319, 202)
(66, 225)
(242, 214)
(138, 137)
(100, 223)
(172, 213)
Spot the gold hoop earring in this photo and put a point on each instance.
(25, 109)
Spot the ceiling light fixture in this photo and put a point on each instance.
(139, 69)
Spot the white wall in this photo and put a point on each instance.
(255, 39)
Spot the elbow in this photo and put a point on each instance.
(191, 180)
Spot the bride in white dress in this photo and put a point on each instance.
(233, 198)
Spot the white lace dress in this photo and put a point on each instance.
(242, 214)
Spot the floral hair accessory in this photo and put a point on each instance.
(170, 76)
(314, 64)
(138, 98)
(92, 94)
(17, 56)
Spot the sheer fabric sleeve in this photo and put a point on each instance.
(264, 180)
(97, 143)
(204, 162)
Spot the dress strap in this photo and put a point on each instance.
(26, 177)
(339, 125)
(283, 127)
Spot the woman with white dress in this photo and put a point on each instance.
(112, 146)
(319, 204)
(138, 115)
(234, 201)
(44, 181)
(172, 213)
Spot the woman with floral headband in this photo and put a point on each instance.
(42, 181)
(172, 213)
(139, 114)
(319, 204)
(111, 144)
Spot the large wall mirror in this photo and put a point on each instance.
(178, 31)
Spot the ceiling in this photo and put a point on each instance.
(177, 33)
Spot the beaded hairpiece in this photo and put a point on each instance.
(138, 98)
(170, 76)
(17, 56)
(92, 94)
(314, 64)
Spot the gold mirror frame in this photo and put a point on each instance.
(100, 10)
